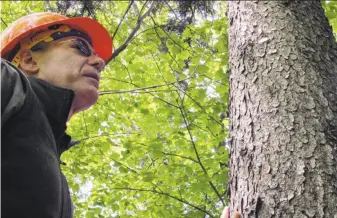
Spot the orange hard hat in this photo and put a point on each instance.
(38, 22)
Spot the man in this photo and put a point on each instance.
(53, 74)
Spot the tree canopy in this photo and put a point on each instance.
(155, 143)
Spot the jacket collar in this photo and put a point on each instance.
(56, 103)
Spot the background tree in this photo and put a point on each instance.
(155, 145)
(283, 112)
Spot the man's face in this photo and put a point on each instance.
(63, 64)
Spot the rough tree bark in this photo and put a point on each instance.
(283, 111)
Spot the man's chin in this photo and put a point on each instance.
(85, 101)
(91, 99)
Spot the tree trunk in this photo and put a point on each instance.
(283, 111)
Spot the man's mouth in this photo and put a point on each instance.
(93, 75)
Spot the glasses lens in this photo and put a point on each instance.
(83, 47)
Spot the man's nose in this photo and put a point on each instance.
(96, 61)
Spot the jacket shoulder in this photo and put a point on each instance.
(14, 87)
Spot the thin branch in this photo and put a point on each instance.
(168, 52)
(141, 10)
(200, 106)
(153, 161)
(192, 31)
(217, 193)
(120, 22)
(127, 70)
(139, 89)
(168, 195)
(132, 170)
(192, 123)
(160, 69)
(106, 135)
(4, 22)
(129, 168)
(132, 91)
(142, 32)
(180, 192)
(168, 35)
(206, 200)
(192, 141)
(155, 61)
(132, 34)
(160, 99)
(194, 146)
(195, 69)
(185, 157)
(108, 22)
(171, 154)
(197, 154)
(172, 10)
(216, 81)
(167, 83)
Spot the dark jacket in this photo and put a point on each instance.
(33, 124)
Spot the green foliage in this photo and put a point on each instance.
(330, 9)
(154, 149)
(144, 162)
(153, 145)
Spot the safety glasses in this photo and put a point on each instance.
(79, 44)
(82, 47)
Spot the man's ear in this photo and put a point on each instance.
(28, 63)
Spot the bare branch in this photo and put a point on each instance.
(168, 35)
(172, 10)
(192, 141)
(127, 10)
(4, 22)
(168, 195)
(184, 157)
(201, 107)
(139, 89)
(168, 103)
(141, 10)
(133, 92)
(107, 135)
(197, 154)
(168, 52)
(132, 34)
